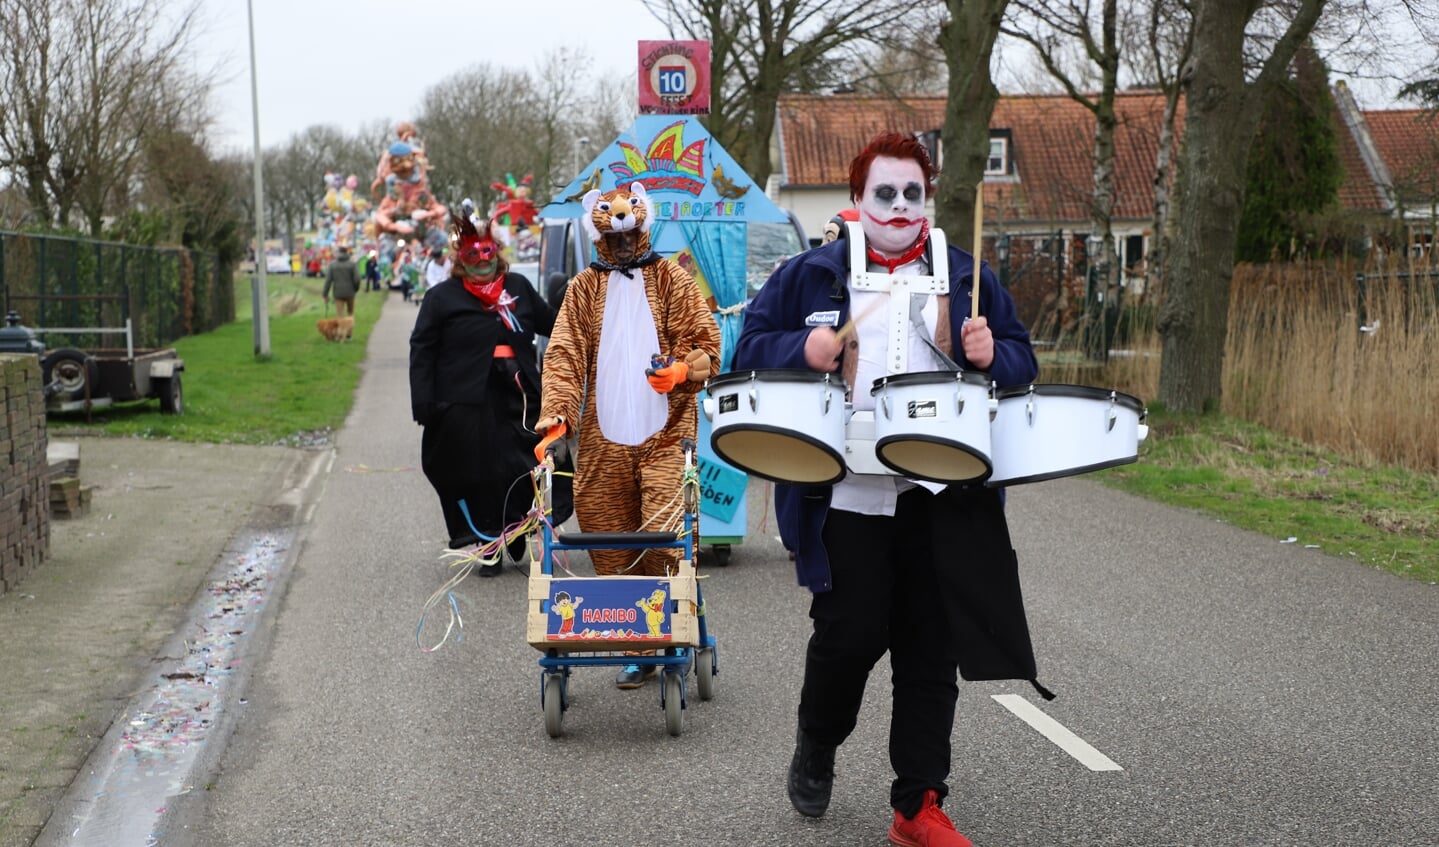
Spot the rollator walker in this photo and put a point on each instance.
(579, 621)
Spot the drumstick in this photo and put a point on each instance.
(978, 246)
(849, 325)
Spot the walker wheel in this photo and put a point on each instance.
(673, 702)
(705, 670)
(552, 698)
(721, 552)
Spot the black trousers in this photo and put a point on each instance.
(887, 597)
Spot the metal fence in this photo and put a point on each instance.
(166, 292)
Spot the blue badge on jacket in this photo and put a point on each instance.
(822, 318)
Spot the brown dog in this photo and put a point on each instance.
(336, 329)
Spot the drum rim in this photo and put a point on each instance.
(776, 375)
(809, 440)
(1061, 389)
(1049, 475)
(880, 444)
(979, 378)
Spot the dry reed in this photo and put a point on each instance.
(1312, 354)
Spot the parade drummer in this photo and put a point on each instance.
(922, 570)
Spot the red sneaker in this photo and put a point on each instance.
(930, 827)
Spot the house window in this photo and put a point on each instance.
(998, 162)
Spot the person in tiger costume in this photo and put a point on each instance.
(627, 307)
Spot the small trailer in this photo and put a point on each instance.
(77, 380)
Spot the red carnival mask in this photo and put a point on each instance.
(477, 256)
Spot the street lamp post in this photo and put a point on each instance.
(582, 146)
(259, 287)
(1095, 344)
(1001, 254)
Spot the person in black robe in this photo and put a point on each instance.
(475, 388)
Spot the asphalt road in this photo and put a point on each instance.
(1243, 692)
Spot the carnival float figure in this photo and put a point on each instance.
(408, 210)
(516, 209)
(516, 219)
(405, 132)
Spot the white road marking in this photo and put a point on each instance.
(1056, 732)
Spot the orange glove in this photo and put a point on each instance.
(553, 434)
(665, 379)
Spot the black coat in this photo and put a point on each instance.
(454, 339)
(478, 410)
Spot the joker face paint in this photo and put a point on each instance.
(892, 208)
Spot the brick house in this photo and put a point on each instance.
(1038, 184)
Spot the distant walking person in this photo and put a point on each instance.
(437, 269)
(372, 271)
(343, 278)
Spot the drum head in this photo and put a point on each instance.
(779, 455)
(932, 459)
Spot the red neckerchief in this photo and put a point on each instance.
(914, 252)
(493, 297)
(488, 293)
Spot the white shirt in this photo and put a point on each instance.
(436, 273)
(875, 494)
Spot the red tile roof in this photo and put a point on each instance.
(1408, 141)
(1358, 191)
(1053, 139)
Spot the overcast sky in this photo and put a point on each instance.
(349, 62)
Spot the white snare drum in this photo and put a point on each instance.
(933, 425)
(1049, 431)
(783, 425)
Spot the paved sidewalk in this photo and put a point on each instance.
(82, 634)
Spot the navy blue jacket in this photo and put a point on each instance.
(774, 335)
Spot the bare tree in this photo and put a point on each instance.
(968, 42)
(132, 79)
(1046, 25)
(472, 130)
(1170, 40)
(555, 101)
(1223, 102)
(84, 81)
(762, 48)
(33, 60)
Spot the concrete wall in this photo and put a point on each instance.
(24, 471)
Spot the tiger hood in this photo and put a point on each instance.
(619, 210)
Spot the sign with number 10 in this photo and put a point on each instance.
(674, 77)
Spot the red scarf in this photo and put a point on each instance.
(487, 292)
(914, 252)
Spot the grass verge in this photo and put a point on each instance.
(297, 396)
(1252, 478)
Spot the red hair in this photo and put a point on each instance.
(895, 145)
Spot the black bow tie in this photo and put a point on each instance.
(647, 259)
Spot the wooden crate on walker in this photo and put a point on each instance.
(612, 613)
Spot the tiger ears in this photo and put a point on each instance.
(637, 189)
(591, 198)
